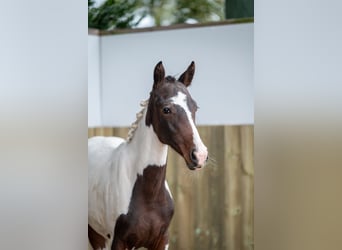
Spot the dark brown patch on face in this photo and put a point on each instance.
(172, 128)
(149, 214)
(96, 240)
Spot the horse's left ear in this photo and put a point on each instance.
(187, 76)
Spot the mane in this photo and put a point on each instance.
(134, 125)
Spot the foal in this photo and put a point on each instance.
(128, 192)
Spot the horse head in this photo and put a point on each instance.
(172, 111)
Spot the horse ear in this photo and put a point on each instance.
(159, 74)
(187, 76)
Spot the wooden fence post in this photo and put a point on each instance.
(232, 179)
(247, 150)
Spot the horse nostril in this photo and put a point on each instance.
(193, 156)
(207, 158)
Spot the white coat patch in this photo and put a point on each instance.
(113, 166)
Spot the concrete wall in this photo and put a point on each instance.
(223, 82)
(94, 88)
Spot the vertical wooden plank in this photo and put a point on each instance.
(91, 132)
(201, 199)
(247, 150)
(121, 132)
(216, 188)
(99, 131)
(107, 131)
(232, 180)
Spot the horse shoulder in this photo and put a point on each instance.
(102, 156)
(101, 193)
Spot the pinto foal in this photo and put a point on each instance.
(130, 204)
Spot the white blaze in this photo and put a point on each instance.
(201, 150)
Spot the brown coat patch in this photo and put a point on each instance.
(149, 214)
(96, 240)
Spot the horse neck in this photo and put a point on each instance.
(146, 147)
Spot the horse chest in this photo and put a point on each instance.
(143, 229)
(150, 211)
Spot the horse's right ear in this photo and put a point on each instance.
(159, 74)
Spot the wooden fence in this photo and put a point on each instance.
(213, 206)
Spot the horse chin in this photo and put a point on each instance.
(193, 167)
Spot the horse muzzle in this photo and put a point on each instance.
(198, 158)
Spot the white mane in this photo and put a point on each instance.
(134, 125)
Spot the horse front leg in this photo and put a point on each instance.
(118, 244)
(95, 240)
(120, 230)
(162, 243)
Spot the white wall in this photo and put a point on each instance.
(94, 89)
(223, 82)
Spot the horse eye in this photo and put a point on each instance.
(166, 110)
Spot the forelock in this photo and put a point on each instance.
(170, 79)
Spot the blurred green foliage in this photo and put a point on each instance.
(116, 14)
(199, 10)
(112, 14)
